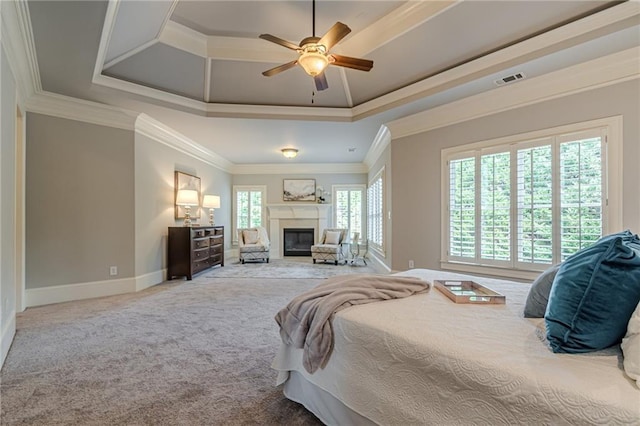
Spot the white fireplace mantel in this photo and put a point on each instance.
(318, 213)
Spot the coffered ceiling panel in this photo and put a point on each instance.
(165, 68)
(137, 23)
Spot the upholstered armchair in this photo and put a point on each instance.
(329, 247)
(253, 244)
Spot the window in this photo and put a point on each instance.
(375, 211)
(348, 207)
(248, 207)
(526, 203)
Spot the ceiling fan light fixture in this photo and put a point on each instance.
(289, 152)
(313, 62)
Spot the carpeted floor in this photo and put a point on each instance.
(180, 353)
(301, 267)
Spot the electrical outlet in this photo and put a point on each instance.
(113, 270)
(411, 264)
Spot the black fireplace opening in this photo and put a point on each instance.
(298, 241)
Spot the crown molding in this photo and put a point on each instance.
(306, 168)
(380, 143)
(17, 40)
(70, 108)
(159, 132)
(601, 72)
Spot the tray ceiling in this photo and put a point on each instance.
(193, 64)
(210, 51)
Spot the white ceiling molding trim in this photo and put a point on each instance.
(149, 92)
(222, 48)
(605, 71)
(345, 85)
(167, 18)
(105, 36)
(302, 168)
(184, 38)
(70, 108)
(153, 129)
(17, 39)
(227, 110)
(380, 143)
(207, 80)
(129, 54)
(398, 22)
(558, 38)
(279, 112)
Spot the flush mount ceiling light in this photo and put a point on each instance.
(289, 152)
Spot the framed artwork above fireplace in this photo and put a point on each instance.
(299, 190)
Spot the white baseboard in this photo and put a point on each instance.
(371, 257)
(150, 279)
(8, 332)
(69, 292)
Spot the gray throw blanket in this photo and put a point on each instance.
(306, 321)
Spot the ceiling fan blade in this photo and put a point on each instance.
(334, 35)
(280, 68)
(321, 82)
(278, 40)
(348, 62)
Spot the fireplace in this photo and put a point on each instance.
(298, 241)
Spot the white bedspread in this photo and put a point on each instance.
(427, 360)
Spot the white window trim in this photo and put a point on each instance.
(363, 208)
(612, 211)
(263, 216)
(378, 248)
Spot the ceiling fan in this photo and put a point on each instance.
(314, 53)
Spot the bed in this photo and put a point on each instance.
(426, 360)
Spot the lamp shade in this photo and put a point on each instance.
(211, 201)
(187, 197)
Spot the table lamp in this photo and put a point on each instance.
(187, 198)
(211, 202)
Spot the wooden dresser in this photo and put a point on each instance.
(194, 249)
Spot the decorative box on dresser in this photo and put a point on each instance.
(193, 249)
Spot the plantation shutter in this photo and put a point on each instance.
(581, 195)
(462, 212)
(535, 204)
(495, 207)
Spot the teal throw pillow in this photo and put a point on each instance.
(594, 294)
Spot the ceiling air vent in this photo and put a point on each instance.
(510, 79)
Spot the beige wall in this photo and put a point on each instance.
(155, 164)
(416, 163)
(8, 272)
(79, 202)
(274, 182)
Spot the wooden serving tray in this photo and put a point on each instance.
(469, 292)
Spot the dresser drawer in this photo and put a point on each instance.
(200, 243)
(201, 254)
(201, 265)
